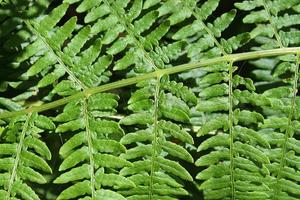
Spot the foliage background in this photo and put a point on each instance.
(54, 140)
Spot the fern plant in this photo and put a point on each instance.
(149, 99)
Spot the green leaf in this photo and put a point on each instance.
(28, 173)
(251, 152)
(9, 104)
(251, 136)
(221, 23)
(138, 151)
(174, 168)
(96, 12)
(108, 195)
(52, 19)
(214, 91)
(247, 117)
(281, 5)
(180, 91)
(249, 5)
(216, 183)
(238, 80)
(289, 186)
(112, 34)
(251, 98)
(159, 177)
(120, 45)
(125, 62)
(287, 21)
(175, 131)
(235, 42)
(135, 10)
(218, 122)
(177, 151)
(74, 174)
(174, 108)
(44, 122)
(276, 122)
(179, 15)
(52, 77)
(70, 126)
(39, 146)
(35, 161)
(213, 104)
(217, 171)
(138, 166)
(72, 143)
(106, 160)
(78, 189)
(221, 140)
(102, 101)
(107, 128)
(256, 17)
(24, 191)
(150, 3)
(6, 163)
(138, 136)
(86, 5)
(173, 52)
(8, 149)
(62, 33)
(114, 180)
(74, 158)
(71, 111)
(142, 105)
(212, 78)
(141, 197)
(77, 42)
(290, 38)
(207, 9)
(89, 55)
(138, 118)
(66, 88)
(141, 94)
(213, 158)
(47, 60)
(145, 22)
(157, 34)
(188, 30)
(158, 189)
(108, 146)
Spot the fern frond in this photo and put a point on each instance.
(58, 55)
(154, 140)
(132, 85)
(285, 149)
(91, 155)
(23, 156)
(270, 32)
(268, 20)
(235, 148)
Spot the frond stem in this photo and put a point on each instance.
(18, 156)
(155, 131)
(90, 146)
(167, 71)
(230, 125)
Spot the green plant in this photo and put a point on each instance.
(120, 99)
